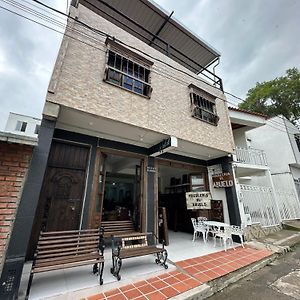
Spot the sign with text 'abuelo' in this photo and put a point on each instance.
(198, 200)
(223, 180)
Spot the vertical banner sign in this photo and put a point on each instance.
(198, 200)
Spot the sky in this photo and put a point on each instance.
(258, 41)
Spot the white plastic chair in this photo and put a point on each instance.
(199, 228)
(225, 235)
(201, 219)
(239, 231)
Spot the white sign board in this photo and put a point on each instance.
(198, 200)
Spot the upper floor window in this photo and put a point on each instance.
(203, 106)
(128, 74)
(21, 126)
(297, 138)
(37, 129)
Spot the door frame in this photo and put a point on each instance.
(194, 170)
(93, 203)
(31, 249)
(86, 173)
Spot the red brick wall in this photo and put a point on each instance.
(14, 163)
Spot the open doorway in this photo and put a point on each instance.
(174, 180)
(120, 191)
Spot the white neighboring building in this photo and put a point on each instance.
(280, 140)
(23, 125)
(252, 176)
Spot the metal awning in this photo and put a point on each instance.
(151, 24)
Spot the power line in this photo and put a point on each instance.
(57, 23)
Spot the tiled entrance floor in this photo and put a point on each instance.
(190, 274)
(211, 266)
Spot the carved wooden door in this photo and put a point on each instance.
(61, 197)
(66, 199)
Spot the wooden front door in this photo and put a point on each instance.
(65, 205)
(62, 194)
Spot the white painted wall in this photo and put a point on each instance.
(292, 130)
(274, 140)
(239, 136)
(30, 128)
(295, 172)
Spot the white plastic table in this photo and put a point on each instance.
(216, 224)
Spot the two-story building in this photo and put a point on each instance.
(251, 169)
(280, 140)
(23, 125)
(133, 119)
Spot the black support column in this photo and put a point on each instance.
(231, 196)
(150, 194)
(16, 252)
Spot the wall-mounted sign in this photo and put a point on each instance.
(164, 146)
(222, 180)
(151, 169)
(198, 200)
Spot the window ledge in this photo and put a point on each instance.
(122, 88)
(214, 124)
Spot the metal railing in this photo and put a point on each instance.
(251, 156)
(288, 204)
(259, 202)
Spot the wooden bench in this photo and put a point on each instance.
(117, 227)
(134, 245)
(67, 249)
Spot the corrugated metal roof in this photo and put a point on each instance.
(145, 18)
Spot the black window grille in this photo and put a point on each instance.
(21, 126)
(204, 109)
(128, 74)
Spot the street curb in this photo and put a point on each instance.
(210, 288)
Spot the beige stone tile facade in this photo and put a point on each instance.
(77, 82)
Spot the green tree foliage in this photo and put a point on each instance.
(280, 96)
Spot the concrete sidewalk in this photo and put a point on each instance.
(190, 278)
(202, 277)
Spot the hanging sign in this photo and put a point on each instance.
(198, 200)
(222, 180)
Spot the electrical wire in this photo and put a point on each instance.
(57, 23)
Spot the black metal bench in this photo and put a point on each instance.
(67, 249)
(134, 245)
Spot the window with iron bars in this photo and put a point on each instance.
(203, 109)
(128, 74)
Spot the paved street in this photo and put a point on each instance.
(280, 280)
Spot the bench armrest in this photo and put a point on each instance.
(101, 246)
(157, 240)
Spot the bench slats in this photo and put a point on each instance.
(140, 251)
(49, 233)
(65, 252)
(128, 245)
(67, 249)
(73, 240)
(65, 266)
(67, 236)
(53, 246)
(63, 260)
(117, 227)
